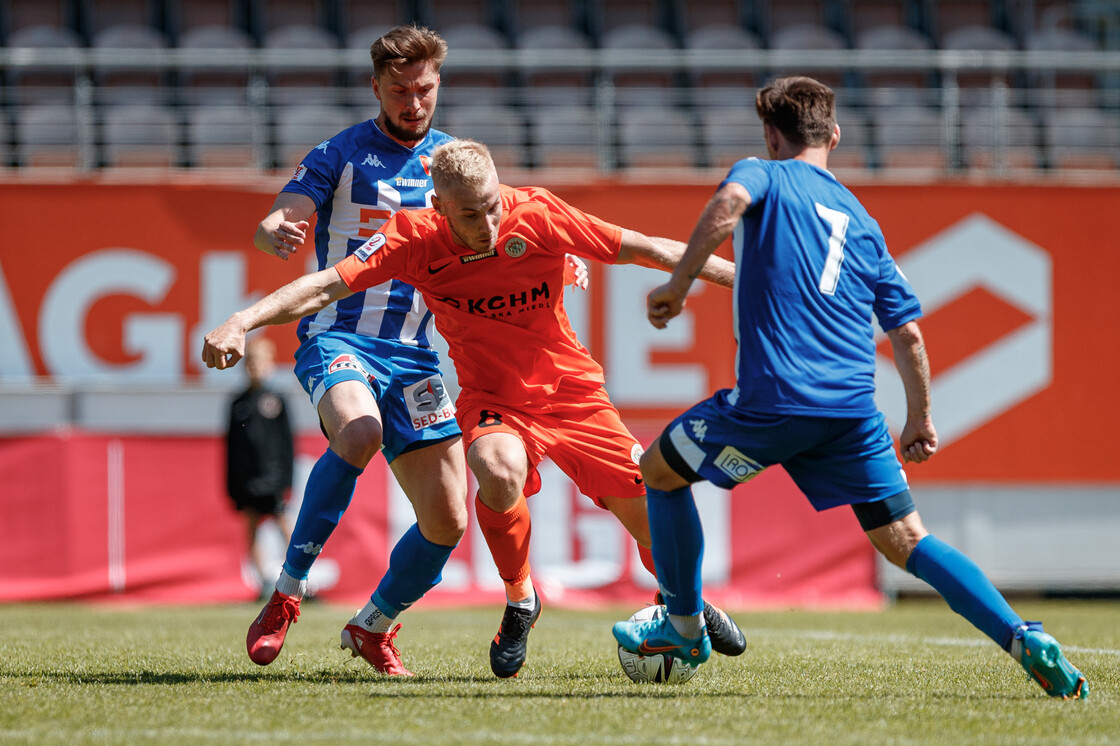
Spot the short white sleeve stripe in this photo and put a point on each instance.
(689, 451)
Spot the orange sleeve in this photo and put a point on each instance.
(582, 234)
(382, 258)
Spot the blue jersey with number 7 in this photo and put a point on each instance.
(812, 269)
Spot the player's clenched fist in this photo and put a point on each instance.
(663, 303)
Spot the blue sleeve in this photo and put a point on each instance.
(895, 301)
(317, 175)
(754, 175)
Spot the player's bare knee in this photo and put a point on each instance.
(358, 440)
(445, 529)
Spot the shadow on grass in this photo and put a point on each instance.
(478, 687)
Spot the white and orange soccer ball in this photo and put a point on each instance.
(654, 669)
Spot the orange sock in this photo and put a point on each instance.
(646, 554)
(507, 535)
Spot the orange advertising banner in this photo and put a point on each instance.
(117, 283)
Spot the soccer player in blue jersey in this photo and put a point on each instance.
(812, 268)
(366, 361)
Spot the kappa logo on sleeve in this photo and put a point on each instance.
(370, 247)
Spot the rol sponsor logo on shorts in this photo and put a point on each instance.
(736, 465)
(346, 362)
(428, 403)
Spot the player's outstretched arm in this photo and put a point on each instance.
(224, 346)
(284, 229)
(716, 223)
(919, 438)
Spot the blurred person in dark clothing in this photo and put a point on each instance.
(259, 451)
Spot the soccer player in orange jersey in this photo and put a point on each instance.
(490, 262)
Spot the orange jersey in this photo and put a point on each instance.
(501, 312)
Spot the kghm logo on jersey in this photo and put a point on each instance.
(498, 306)
(515, 247)
(370, 247)
(737, 465)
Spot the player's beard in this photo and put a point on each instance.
(397, 132)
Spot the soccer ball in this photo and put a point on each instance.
(654, 669)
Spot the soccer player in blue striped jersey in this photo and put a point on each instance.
(367, 361)
(812, 269)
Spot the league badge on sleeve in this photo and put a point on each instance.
(370, 247)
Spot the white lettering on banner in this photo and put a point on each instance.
(631, 378)
(222, 283)
(157, 339)
(15, 363)
(975, 253)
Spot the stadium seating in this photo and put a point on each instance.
(1082, 139)
(560, 86)
(210, 85)
(730, 134)
(502, 128)
(140, 135)
(910, 139)
(141, 83)
(45, 85)
(300, 127)
(305, 85)
(999, 139)
(223, 136)
(477, 85)
(657, 137)
(990, 123)
(48, 135)
(567, 136)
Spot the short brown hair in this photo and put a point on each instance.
(409, 43)
(802, 109)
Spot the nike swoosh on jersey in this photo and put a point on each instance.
(433, 270)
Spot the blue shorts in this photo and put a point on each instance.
(405, 381)
(833, 461)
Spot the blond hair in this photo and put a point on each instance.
(461, 163)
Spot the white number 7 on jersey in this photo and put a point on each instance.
(838, 223)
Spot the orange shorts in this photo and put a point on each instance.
(584, 437)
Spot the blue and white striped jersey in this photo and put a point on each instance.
(357, 180)
(812, 268)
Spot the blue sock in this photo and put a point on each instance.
(415, 567)
(965, 587)
(325, 498)
(678, 548)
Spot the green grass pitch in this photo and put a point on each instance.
(913, 674)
